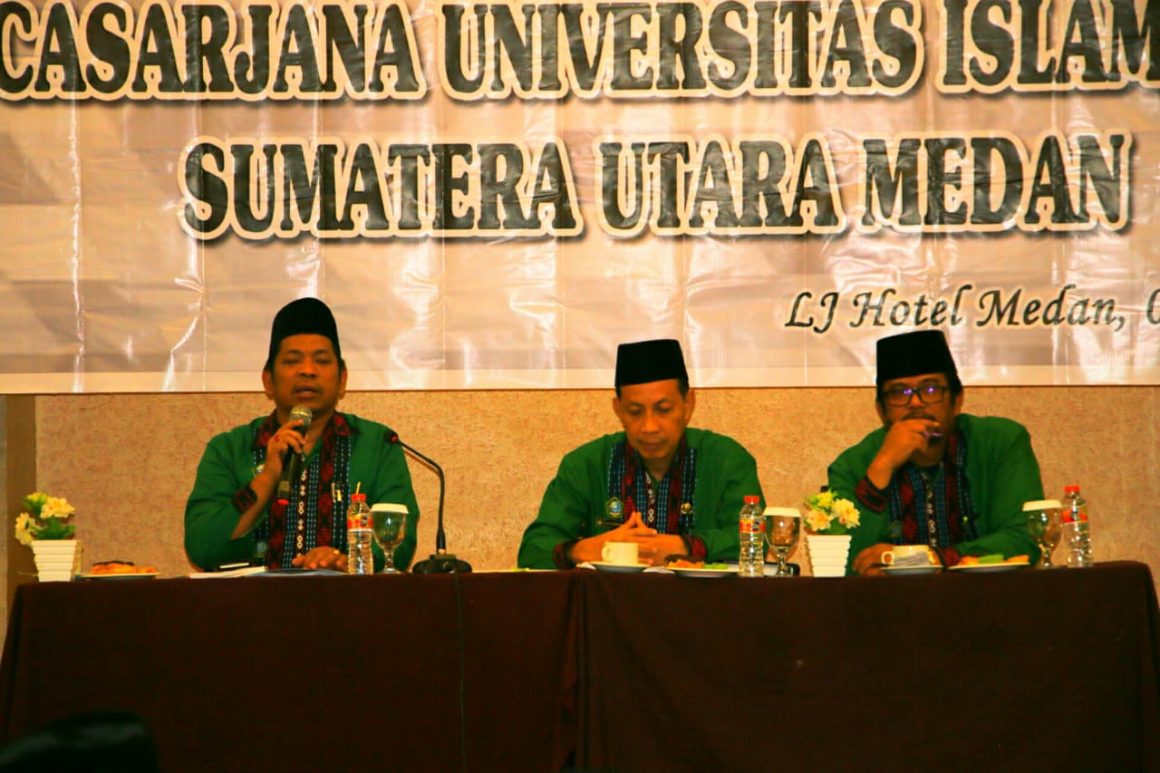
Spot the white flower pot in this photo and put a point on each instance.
(828, 553)
(57, 560)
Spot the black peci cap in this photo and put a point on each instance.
(909, 354)
(305, 315)
(646, 361)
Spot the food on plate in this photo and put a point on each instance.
(120, 567)
(682, 563)
(993, 558)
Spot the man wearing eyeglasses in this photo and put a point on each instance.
(933, 474)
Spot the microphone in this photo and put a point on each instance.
(293, 467)
(440, 562)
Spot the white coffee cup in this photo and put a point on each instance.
(620, 553)
(906, 554)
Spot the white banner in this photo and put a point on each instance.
(493, 195)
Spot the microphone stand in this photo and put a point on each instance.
(440, 562)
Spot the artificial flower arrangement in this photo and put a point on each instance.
(45, 517)
(829, 514)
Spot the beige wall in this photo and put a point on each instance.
(127, 461)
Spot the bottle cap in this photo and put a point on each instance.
(1072, 489)
(752, 499)
(358, 496)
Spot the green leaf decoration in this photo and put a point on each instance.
(54, 528)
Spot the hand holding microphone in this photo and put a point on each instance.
(284, 442)
(290, 438)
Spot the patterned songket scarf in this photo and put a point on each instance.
(933, 506)
(314, 515)
(667, 505)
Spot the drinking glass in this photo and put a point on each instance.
(783, 527)
(1043, 524)
(389, 524)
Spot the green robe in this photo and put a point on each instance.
(1002, 474)
(228, 464)
(576, 497)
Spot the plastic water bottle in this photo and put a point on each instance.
(1077, 536)
(751, 535)
(359, 558)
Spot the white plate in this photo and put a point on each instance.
(243, 571)
(619, 568)
(690, 571)
(121, 576)
(922, 569)
(985, 568)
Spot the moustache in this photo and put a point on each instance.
(920, 415)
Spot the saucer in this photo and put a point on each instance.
(695, 571)
(120, 576)
(604, 566)
(920, 569)
(1006, 566)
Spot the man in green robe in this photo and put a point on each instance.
(933, 474)
(236, 512)
(671, 489)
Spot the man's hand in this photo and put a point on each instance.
(322, 558)
(867, 562)
(632, 530)
(288, 438)
(654, 550)
(903, 440)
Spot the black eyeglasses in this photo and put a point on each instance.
(928, 394)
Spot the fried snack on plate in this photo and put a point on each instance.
(993, 558)
(120, 567)
(682, 563)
